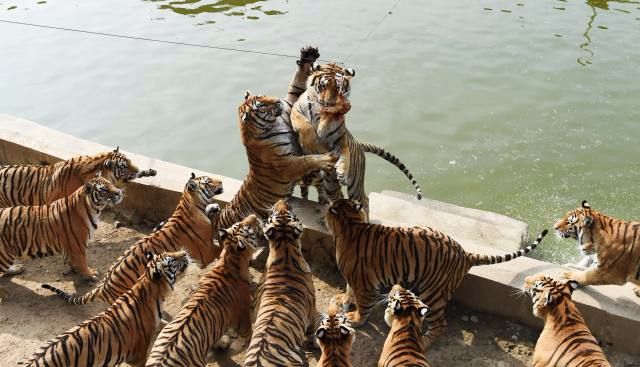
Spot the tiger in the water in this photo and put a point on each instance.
(318, 118)
(122, 333)
(372, 258)
(614, 243)
(189, 227)
(221, 301)
(62, 227)
(38, 185)
(405, 343)
(335, 337)
(285, 297)
(566, 339)
(275, 160)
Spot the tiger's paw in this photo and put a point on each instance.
(343, 302)
(355, 318)
(212, 209)
(92, 276)
(568, 275)
(308, 55)
(14, 269)
(327, 161)
(4, 295)
(147, 173)
(636, 290)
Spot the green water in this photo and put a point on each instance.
(519, 107)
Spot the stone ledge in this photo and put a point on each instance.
(611, 311)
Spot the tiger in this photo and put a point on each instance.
(326, 98)
(25, 185)
(405, 343)
(122, 333)
(335, 337)
(284, 299)
(565, 339)
(614, 243)
(62, 227)
(374, 257)
(189, 227)
(275, 160)
(222, 300)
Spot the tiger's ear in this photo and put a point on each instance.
(222, 234)
(424, 310)
(269, 232)
(397, 309)
(149, 256)
(320, 333)
(315, 67)
(88, 187)
(108, 163)
(573, 285)
(241, 246)
(344, 331)
(99, 174)
(357, 207)
(585, 205)
(245, 117)
(246, 94)
(192, 184)
(117, 149)
(588, 220)
(333, 210)
(193, 175)
(350, 72)
(548, 299)
(157, 274)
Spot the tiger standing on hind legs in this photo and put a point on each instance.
(222, 300)
(62, 227)
(614, 243)
(284, 298)
(275, 160)
(122, 333)
(372, 258)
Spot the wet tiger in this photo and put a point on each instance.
(613, 243)
(123, 332)
(275, 162)
(222, 300)
(62, 227)
(373, 257)
(285, 297)
(189, 227)
(405, 343)
(318, 118)
(39, 185)
(566, 339)
(335, 337)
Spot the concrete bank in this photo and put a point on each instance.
(612, 312)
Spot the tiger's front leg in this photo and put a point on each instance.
(301, 165)
(78, 264)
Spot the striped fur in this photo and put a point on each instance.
(275, 161)
(222, 300)
(614, 243)
(566, 339)
(285, 298)
(335, 337)
(373, 257)
(123, 332)
(62, 227)
(39, 185)
(405, 343)
(318, 118)
(189, 227)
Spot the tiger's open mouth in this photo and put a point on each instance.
(563, 234)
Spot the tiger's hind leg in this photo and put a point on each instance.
(437, 323)
(365, 303)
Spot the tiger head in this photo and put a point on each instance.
(283, 224)
(402, 303)
(118, 167)
(100, 192)
(335, 329)
(546, 292)
(329, 82)
(202, 189)
(258, 114)
(168, 266)
(578, 224)
(242, 237)
(343, 212)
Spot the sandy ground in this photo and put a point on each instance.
(32, 315)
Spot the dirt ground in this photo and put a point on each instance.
(32, 315)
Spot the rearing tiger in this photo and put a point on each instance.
(189, 227)
(614, 242)
(318, 118)
(565, 340)
(62, 227)
(373, 258)
(123, 332)
(275, 163)
(38, 185)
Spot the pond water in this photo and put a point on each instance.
(519, 107)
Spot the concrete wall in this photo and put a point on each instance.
(611, 311)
